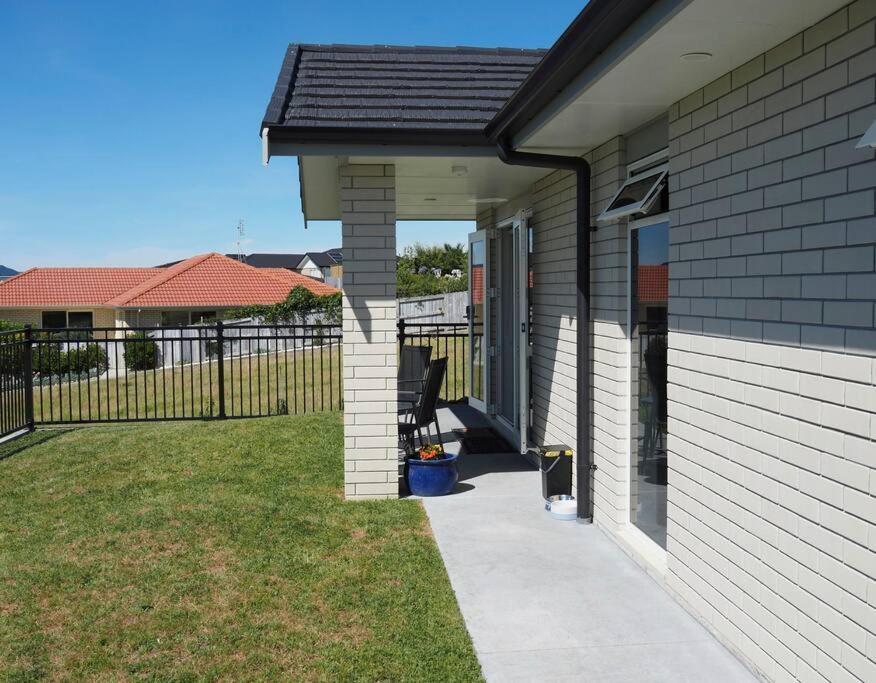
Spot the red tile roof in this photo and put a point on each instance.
(294, 279)
(70, 286)
(207, 280)
(653, 281)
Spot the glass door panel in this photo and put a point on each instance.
(477, 317)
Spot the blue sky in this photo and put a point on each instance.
(129, 131)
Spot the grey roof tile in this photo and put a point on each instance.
(434, 88)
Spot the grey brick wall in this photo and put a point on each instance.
(772, 415)
(554, 353)
(768, 189)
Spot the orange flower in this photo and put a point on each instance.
(431, 451)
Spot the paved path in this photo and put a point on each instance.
(558, 601)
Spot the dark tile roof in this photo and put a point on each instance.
(387, 87)
(323, 259)
(290, 261)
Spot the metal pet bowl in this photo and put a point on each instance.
(553, 499)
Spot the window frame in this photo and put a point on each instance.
(47, 327)
(88, 313)
(660, 174)
(643, 545)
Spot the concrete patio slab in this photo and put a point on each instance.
(549, 600)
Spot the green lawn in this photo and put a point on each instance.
(215, 550)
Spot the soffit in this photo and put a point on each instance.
(639, 81)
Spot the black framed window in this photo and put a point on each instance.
(174, 318)
(80, 319)
(203, 317)
(54, 320)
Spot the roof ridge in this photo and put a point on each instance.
(16, 276)
(387, 47)
(160, 278)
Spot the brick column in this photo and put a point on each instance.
(370, 356)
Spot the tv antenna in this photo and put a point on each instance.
(240, 233)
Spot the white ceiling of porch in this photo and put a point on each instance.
(426, 187)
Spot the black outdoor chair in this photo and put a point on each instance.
(424, 411)
(412, 367)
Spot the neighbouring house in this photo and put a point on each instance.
(287, 261)
(196, 290)
(323, 265)
(6, 272)
(698, 324)
(320, 265)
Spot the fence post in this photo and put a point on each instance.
(220, 341)
(401, 332)
(28, 377)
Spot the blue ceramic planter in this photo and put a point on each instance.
(432, 477)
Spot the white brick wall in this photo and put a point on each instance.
(369, 329)
(554, 354)
(772, 413)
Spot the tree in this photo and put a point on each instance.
(415, 266)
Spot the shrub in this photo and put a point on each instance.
(48, 359)
(6, 326)
(141, 353)
(300, 306)
(84, 359)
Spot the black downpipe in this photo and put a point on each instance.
(581, 168)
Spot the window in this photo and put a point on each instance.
(174, 318)
(649, 306)
(54, 320)
(638, 194)
(203, 317)
(80, 319)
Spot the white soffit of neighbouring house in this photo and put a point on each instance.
(427, 187)
(670, 53)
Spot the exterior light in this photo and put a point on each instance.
(459, 170)
(696, 56)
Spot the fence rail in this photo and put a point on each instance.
(448, 340)
(85, 375)
(183, 373)
(16, 409)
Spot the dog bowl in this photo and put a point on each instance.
(563, 507)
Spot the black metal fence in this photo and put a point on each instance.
(84, 375)
(183, 373)
(448, 340)
(16, 408)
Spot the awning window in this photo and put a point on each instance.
(637, 195)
